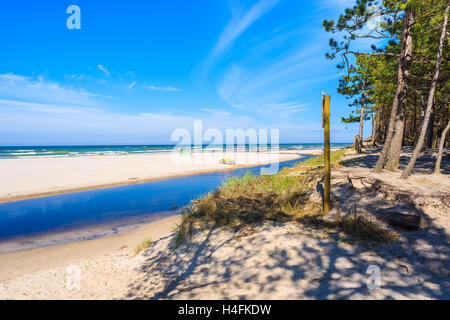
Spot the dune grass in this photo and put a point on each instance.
(315, 164)
(145, 244)
(282, 197)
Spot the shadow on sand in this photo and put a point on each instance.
(293, 261)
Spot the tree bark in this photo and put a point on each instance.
(357, 144)
(437, 168)
(382, 126)
(414, 124)
(404, 65)
(430, 131)
(397, 142)
(361, 118)
(430, 101)
(397, 139)
(374, 128)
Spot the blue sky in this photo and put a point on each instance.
(137, 70)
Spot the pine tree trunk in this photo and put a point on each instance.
(361, 119)
(430, 101)
(374, 128)
(397, 140)
(404, 65)
(414, 125)
(437, 168)
(430, 130)
(357, 144)
(421, 115)
(382, 126)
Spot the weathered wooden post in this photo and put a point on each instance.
(327, 172)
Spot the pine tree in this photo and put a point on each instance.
(357, 85)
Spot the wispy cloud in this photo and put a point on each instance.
(78, 77)
(285, 110)
(18, 87)
(238, 24)
(28, 123)
(104, 70)
(167, 89)
(277, 72)
(39, 111)
(273, 71)
(216, 112)
(276, 82)
(44, 112)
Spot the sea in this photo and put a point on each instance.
(21, 152)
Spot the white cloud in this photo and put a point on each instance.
(275, 84)
(238, 24)
(43, 112)
(105, 71)
(285, 110)
(167, 89)
(36, 111)
(216, 112)
(26, 123)
(39, 90)
(46, 107)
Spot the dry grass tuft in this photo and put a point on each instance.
(145, 244)
(282, 197)
(353, 228)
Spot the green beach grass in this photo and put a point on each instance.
(285, 196)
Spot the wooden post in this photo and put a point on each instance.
(327, 172)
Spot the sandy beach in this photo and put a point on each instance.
(249, 153)
(25, 178)
(269, 260)
(107, 266)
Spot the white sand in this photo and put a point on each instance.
(286, 261)
(294, 261)
(21, 178)
(269, 261)
(107, 266)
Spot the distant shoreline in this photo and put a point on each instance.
(40, 177)
(30, 152)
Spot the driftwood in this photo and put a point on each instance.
(401, 218)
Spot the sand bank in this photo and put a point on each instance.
(88, 231)
(26, 178)
(106, 264)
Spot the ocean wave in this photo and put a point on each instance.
(88, 151)
(21, 153)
